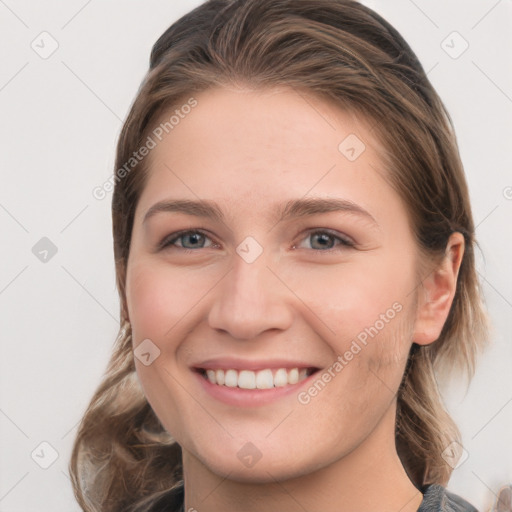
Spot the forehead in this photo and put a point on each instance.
(245, 147)
(261, 119)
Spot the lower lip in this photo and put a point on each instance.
(250, 397)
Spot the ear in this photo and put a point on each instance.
(437, 292)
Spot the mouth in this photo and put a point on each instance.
(265, 378)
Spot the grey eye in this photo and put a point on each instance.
(196, 240)
(321, 240)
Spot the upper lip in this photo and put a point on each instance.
(228, 363)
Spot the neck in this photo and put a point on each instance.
(369, 478)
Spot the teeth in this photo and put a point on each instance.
(293, 376)
(247, 379)
(231, 379)
(281, 378)
(219, 376)
(262, 379)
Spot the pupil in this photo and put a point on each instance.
(323, 238)
(194, 237)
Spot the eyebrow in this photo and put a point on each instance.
(199, 208)
(292, 209)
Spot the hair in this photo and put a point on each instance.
(342, 52)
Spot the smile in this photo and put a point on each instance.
(263, 379)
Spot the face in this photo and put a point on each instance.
(291, 289)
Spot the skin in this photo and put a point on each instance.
(251, 151)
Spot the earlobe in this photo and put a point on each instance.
(436, 293)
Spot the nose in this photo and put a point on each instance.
(250, 300)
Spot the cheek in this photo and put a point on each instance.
(368, 310)
(160, 296)
(147, 304)
(373, 367)
(346, 299)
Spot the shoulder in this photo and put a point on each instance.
(437, 499)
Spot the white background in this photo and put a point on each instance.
(59, 122)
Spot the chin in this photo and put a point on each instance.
(245, 463)
(263, 472)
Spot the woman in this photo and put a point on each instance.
(294, 254)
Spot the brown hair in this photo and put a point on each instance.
(343, 52)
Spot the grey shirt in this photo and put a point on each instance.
(437, 499)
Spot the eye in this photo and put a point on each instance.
(323, 240)
(189, 240)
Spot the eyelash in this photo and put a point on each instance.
(169, 241)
